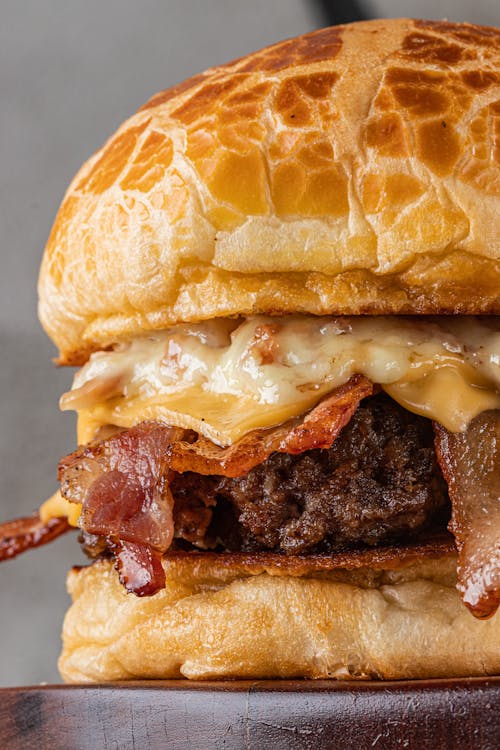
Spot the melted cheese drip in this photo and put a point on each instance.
(58, 507)
(224, 378)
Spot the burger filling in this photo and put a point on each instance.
(275, 435)
(378, 483)
(225, 378)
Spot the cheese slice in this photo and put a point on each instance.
(58, 507)
(222, 417)
(447, 395)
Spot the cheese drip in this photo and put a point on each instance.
(58, 507)
(224, 378)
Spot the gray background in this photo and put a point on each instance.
(70, 72)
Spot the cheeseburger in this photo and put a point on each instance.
(280, 280)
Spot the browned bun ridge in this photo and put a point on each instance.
(352, 170)
(249, 617)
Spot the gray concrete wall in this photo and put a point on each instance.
(70, 72)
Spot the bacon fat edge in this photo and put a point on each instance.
(470, 462)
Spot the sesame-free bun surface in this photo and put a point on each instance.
(255, 621)
(351, 170)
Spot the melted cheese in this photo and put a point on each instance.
(225, 378)
(58, 507)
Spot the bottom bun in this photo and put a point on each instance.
(255, 621)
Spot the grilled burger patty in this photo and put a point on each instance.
(378, 483)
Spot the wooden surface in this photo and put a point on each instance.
(179, 715)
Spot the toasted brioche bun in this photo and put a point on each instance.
(257, 621)
(351, 170)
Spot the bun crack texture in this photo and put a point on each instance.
(351, 170)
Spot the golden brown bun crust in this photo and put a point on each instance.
(217, 621)
(351, 170)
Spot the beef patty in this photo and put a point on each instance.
(378, 483)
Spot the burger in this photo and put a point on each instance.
(280, 280)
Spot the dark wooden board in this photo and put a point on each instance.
(181, 715)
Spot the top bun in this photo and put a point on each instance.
(352, 170)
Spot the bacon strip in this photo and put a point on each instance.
(470, 462)
(318, 429)
(122, 483)
(26, 533)
(139, 568)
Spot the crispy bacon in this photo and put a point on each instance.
(470, 462)
(318, 429)
(139, 567)
(122, 483)
(26, 533)
(264, 345)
